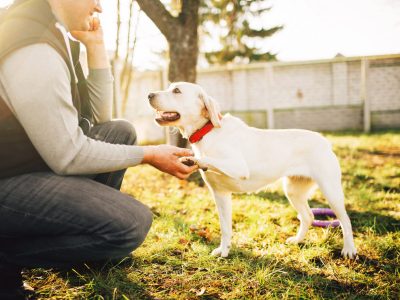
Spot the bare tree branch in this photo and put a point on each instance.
(161, 17)
(116, 54)
(126, 65)
(116, 87)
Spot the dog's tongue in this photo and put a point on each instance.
(169, 115)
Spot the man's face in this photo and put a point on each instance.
(78, 14)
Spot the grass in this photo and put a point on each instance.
(175, 262)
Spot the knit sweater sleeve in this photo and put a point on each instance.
(100, 86)
(36, 86)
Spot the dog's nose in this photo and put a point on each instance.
(151, 96)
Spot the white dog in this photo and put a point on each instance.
(239, 158)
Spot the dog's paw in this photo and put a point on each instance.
(188, 161)
(293, 240)
(191, 161)
(223, 252)
(349, 252)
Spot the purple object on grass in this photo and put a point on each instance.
(324, 212)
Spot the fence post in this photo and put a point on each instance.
(270, 117)
(364, 96)
(268, 87)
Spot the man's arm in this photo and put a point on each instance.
(100, 80)
(100, 88)
(39, 95)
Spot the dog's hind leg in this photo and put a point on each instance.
(223, 201)
(333, 192)
(298, 190)
(329, 179)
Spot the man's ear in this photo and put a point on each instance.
(213, 109)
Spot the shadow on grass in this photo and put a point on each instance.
(272, 196)
(322, 286)
(361, 221)
(109, 280)
(361, 180)
(380, 224)
(112, 282)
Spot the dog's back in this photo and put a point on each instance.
(269, 154)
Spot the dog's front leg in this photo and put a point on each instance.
(234, 167)
(223, 201)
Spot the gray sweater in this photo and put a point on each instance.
(35, 83)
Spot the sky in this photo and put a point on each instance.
(313, 29)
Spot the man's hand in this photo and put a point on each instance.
(166, 159)
(93, 36)
(94, 42)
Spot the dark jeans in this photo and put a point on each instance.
(47, 220)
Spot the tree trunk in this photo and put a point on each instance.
(182, 36)
(183, 51)
(183, 44)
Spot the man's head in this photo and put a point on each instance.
(75, 14)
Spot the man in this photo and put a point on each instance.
(60, 176)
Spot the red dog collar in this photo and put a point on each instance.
(198, 135)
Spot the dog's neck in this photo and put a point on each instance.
(198, 135)
(188, 131)
(195, 133)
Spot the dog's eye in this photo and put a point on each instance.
(176, 91)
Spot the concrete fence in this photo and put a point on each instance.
(344, 93)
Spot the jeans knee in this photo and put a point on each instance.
(115, 132)
(144, 226)
(130, 234)
(126, 130)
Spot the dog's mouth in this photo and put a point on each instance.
(167, 116)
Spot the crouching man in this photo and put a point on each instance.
(62, 158)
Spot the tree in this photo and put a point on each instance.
(180, 29)
(127, 70)
(122, 68)
(179, 24)
(114, 66)
(238, 39)
(181, 34)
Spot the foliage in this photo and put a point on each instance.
(237, 39)
(175, 262)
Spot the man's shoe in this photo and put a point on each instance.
(11, 285)
(15, 294)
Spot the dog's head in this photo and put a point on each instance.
(184, 105)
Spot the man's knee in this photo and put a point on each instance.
(126, 130)
(137, 234)
(115, 132)
(130, 231)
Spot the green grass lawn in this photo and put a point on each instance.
(175, 262)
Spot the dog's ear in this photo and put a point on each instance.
(213, 109)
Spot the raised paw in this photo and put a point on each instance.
(188, 161)
(191, 161)
(220, 251)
